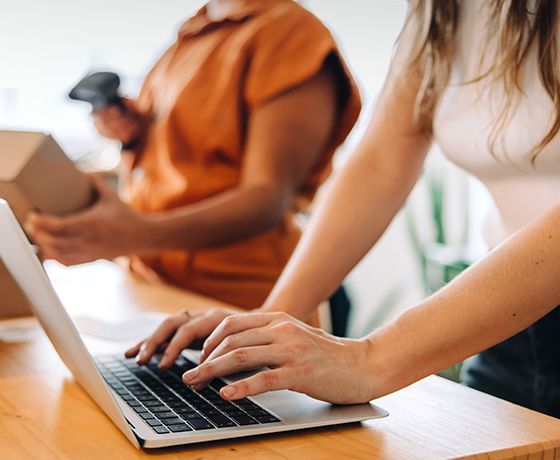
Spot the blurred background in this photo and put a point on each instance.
(46, 47)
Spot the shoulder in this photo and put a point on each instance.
(287, 17)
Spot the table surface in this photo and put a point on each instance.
(45, 414)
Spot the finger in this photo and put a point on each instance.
(59, 248)
(196, 328)
(108, 113)
(133, 351)
(130, 105)
(250, 338)
(160, 336)
(54, 225)
(269, 380)
(232, 325)
(240, 359)
(124, 126)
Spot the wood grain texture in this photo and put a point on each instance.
(45, 414)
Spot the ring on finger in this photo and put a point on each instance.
(185, 312)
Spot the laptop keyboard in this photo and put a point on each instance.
(167, 405)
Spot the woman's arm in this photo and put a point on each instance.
(511, 288)
(286, 137)
(358, 204)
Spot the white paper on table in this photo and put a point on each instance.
(19, 330)
(134, 327)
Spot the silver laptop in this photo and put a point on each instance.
(154, 408)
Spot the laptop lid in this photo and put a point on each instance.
(17, 255)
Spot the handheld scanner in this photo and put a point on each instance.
(100, 89)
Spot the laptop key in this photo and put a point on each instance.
(200, 424)
(222, 405)
(221, 421)
(160, 429)
(153, 422)
(146, 415)
(234, 412)
(160, 408)
(244, 420)
(190, 416)
(164, 414)
(154, 403)
(185, 410)
(217, 384)
(179, 428)
(257, 412)
(201, 405)
(171, 421)
(267, 418)
(177, 404)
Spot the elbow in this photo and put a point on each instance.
(272, 206)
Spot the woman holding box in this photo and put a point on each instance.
(230, 138)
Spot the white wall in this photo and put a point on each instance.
(46, 46)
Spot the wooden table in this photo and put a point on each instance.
(44, 414)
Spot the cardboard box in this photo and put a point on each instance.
(35, 174)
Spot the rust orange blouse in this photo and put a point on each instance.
(200, 94)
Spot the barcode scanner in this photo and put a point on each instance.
(100, 89)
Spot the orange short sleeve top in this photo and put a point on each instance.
(200, 95)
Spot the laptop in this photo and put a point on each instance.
(154, 408)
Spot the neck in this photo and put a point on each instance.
(219, 9)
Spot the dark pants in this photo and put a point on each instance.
(524, 369)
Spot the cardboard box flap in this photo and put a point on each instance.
(16, 149)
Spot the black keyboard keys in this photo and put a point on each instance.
(200, 424)
(160, 429)
(166, 404)
(221, 421)
(179, 427)
(243, 420)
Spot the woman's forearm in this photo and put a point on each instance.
(220, 220)
(360, 202)
(354, 211)
(511, 288)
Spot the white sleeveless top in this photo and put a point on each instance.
(464, 122)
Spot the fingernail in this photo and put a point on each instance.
(228, 392)
(140, 357)
(191, 375)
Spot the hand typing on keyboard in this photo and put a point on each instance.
(176, 333)
(299, 357)
(167, 405)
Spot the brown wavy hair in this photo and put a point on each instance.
(515, 25)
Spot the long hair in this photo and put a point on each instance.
(516, 26)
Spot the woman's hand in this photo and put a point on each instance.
(123, 125)
(109, 228)
(299, 358)
(176, 333)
